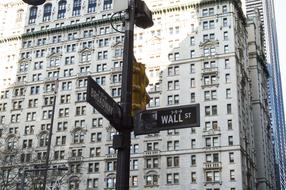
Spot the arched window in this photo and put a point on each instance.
(47, 12)
(76, 7)
(86, 56)
(33, 15)
(19, 16)
(91, 6)
(74, 183)
(12, 143)
(151, 178)
(78, 137)
(107, 4)
(43, 140)
(62, 9)
(110, 181)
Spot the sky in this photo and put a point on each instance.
(281, 30)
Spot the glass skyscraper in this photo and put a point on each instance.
(267, 12)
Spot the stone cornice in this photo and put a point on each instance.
(70, 27)
(10, 38)
(12, 4)
(197, 4)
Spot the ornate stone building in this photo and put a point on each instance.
(196, 52)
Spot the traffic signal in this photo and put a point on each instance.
(140, 98)
(34, 2)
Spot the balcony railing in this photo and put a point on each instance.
(110, 156)
(116, 69)
(75, 159)
(210, 70)
(212, 165)
(151, 152)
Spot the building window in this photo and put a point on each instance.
(231, 175)
(193, 143)
(173, 85)
(173, 161)
(62, 126)
(19, 16)
(78, 137)
(173, 99)
(92, 183)
(193, 177)
(62, 9)
(43, 140)
(228, 93)
(225, 35)
(151, 179)
(192, 54)
(96, 137)
(210, 110)
(193, 83)
(212, 176)
(11, 143)
(211, 142)
(94, 152)
(229, 124)
(210, 95)
(66, 85)
(97, 122)
(107, 4)
(173, 70)
(91, 6)
(228, 106)
(193, 97)
(134, 181)
(110, 182)
(154, 102)
(231, 157)
(193, 160)
(230, 140)
(47, 12)
(76, 7)
(225, 22)
(192, 68)
(173, 178)
(227, 78)
(63, 112)
(69, 60)
(33, 15)
(80, 110)
(226, 64)
(74, 181)
(192, 40)
(226, 49)
(152, 146)
(86, 56)
(224, 9)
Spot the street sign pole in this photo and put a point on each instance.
(121, 141)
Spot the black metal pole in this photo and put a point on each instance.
(50, 137)
(123, 155)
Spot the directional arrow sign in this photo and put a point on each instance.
(153, 121)
(102, 102)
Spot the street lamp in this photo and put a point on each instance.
(35, 2)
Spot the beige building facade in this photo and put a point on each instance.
(196, 52)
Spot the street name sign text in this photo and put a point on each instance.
(103, 102)
(153, 121)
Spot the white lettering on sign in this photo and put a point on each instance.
(101, 101)
(170, 119)
(176, 116)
